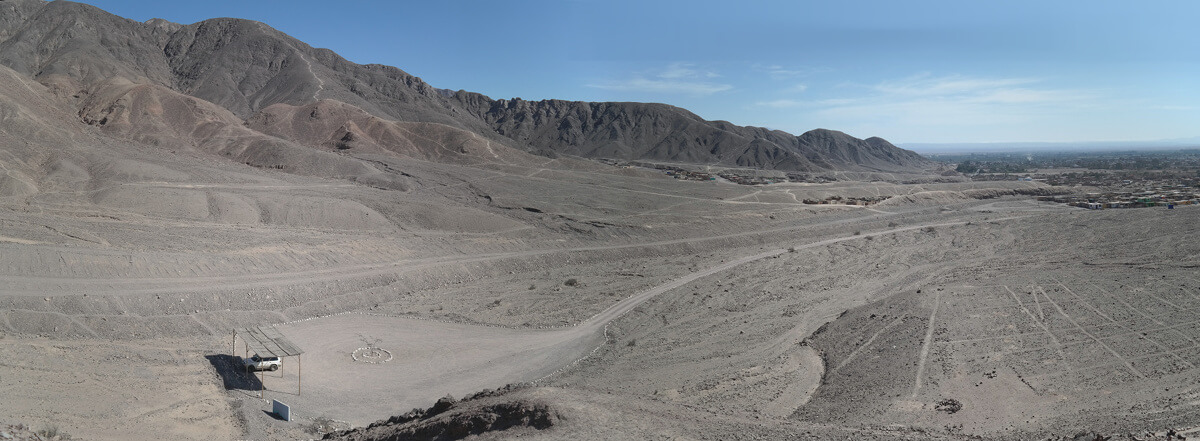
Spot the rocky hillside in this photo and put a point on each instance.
(245, 67)
(660, 132)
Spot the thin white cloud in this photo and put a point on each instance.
(1025, 96)
(678, 70)
(1181, 108)
(798, 88)
(780, 72)
(685, 70)
(832, 102)
(931, 107)
(676, 78)
(785, 103)
(780, 104)
(663, 86)
(923, 113)
(961, 89)
(927, 85)
(926, 98)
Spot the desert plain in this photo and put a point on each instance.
(635, 305)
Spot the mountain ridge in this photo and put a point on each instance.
(246, 66)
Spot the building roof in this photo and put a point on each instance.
(266, 341)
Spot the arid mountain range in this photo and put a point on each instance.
(158, 81)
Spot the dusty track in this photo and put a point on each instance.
(62, 286)
(434, 358)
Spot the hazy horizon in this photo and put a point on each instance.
(925, 148)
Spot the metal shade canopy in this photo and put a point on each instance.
(266, 341)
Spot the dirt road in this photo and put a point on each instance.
(422, 360)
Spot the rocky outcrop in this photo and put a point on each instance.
(659, 132)
(449, 419)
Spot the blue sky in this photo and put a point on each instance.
(907, 71)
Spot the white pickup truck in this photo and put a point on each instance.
(257, 363)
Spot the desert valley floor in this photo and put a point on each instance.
(626, 304)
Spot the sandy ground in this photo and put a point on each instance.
(114, 390)
(623, 294)
(632, 305)
(422, 360)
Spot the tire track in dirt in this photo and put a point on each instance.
(521, 356)
(867, 343)
(1162, 325)
(601, 321)
(166, 284)
(1112, 351)
(1058, 347)
(937, 301)
(1152, 341)
(616, 311)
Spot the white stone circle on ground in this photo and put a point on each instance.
(371, 355)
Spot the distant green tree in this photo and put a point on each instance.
(967, 167)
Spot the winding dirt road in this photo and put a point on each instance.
(432, 359)
(40, 286)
